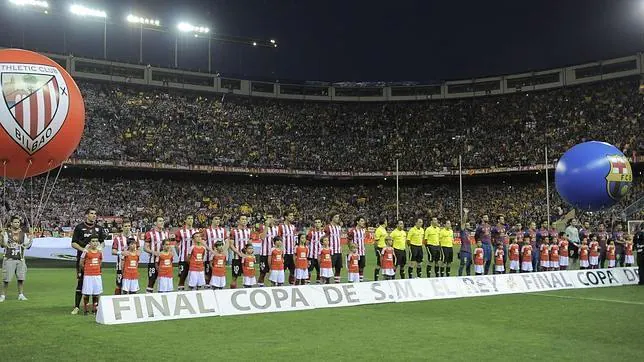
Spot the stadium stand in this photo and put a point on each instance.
(164, 125)
(506, 127)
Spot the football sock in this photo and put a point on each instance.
(79, 296)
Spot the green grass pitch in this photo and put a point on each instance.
(602, 324)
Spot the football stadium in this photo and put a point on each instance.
(172, 188)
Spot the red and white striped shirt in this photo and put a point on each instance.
(357, 236)
(267, 242)
(334, 232)
(214, 235)
(183, 238)
(119, 243)
(155, 238)
(288, 234)
(240, 237)
(314, 237)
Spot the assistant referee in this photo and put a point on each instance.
(432, 239)
(380, 237)
(83, 232)
(446, 240)
(415, 237)
(399, 237)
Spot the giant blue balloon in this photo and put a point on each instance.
(593, 176)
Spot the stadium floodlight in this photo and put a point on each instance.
(84, 11)
(81, 10)
(187, 27)
(34, 3)
(142, 20)
(254, 43)
(272, 41)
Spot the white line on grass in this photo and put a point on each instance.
(584, 298)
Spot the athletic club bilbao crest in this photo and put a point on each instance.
(619, 178)
(34, 103)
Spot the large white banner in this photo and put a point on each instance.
(135, 308)
(348, 294)
(207, 303)
(264, 300)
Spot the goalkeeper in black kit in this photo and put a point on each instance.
(83, 233)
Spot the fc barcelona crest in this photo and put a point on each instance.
(619, 177)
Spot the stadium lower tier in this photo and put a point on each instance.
(520, 199)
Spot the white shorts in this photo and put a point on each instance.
(301, 274)
(249, 281)
(218, 282)
(276, 276)
(499, 268)
(563, 261)
(593, 260)
(130, 285)
(165, 284)
(354, 277)
(478, 269)
(92, 285)
(389, 272)
(629, 259)
(196, 279)
(544, 263)
(514, 265)
(554, 264)
(326, 273)
(611, 263)
(526, 266)
(584, 263)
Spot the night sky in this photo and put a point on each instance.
(349, 40)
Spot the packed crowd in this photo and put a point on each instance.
(128, 122)
(142, 199)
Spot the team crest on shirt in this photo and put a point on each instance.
(619, 177)
(34, 105)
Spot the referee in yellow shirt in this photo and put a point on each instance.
(399, 237)
(432, 240)
(415, 237)
(447, 248)
(380, 236)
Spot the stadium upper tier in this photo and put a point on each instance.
(142, 123)
(146, 114)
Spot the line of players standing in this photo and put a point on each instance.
(201, 255)
(547, 248)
